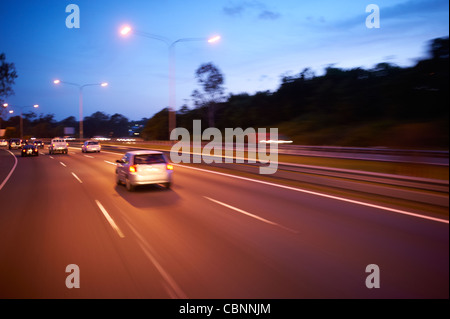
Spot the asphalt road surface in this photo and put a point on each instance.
(210, 236)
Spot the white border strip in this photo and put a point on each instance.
(323, 195)
(12, 170)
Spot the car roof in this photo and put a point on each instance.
(143, 152)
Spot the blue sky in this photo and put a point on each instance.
(260, 42)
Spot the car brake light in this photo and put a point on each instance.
(133, 169)
(169, 167)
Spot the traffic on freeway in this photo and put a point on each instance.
(69, 230)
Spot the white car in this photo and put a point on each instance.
(3, 142)
(143, 168)
(58, 145)
(91, 146)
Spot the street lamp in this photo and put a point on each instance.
(171, 45)
(80, 88)
(4, 106)
(21, 116)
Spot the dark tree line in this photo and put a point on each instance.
(343, 106)
(97, 124)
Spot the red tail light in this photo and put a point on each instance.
(169, 167)
(133, 168)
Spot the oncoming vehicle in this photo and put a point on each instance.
(3, 142)
(91, 146)
(14, 143)
(143, 168)
(30, 150)
(38, 143)
(58, 145)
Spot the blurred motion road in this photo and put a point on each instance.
(210, 236)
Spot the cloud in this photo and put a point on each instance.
(233, 11)
(252, 7)
(268, 15)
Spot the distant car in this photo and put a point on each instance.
(38, 143)
(30, 150)
(3, 142)
(143, 168)
(14, 143)
(91, 146)
(58, 145)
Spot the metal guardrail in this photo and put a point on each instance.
(428, 191)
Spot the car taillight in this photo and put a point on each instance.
(67, 144)
(133, 168)
(169, 167)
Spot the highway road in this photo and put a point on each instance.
(211, 236)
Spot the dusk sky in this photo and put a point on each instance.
(260, 42)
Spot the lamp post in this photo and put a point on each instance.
(21, 114)
(171, 45)
(4, 106)
(80, 90)
(21, 118)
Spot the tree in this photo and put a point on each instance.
(7, 76)
(118, 124)
(156, 128)
(211, 80)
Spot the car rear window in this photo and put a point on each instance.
(149, 159)
(92, 143)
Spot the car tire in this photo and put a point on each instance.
(128, 185)
(168, 185)
(118, 182)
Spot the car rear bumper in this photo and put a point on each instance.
(146, 180)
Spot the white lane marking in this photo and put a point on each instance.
(62, 164)
(398, 211)
(109, 219)
(175, 291)
(250, 215)
(78, 179)
(79, 148)
(51, 157)
(121, 154)
(89, 156)
(12, 170)
(110, 162)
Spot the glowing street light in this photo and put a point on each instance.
(21, 114)
(126, 30)
(80, 88)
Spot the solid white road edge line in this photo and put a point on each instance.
(12, 170)
(323, 195)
